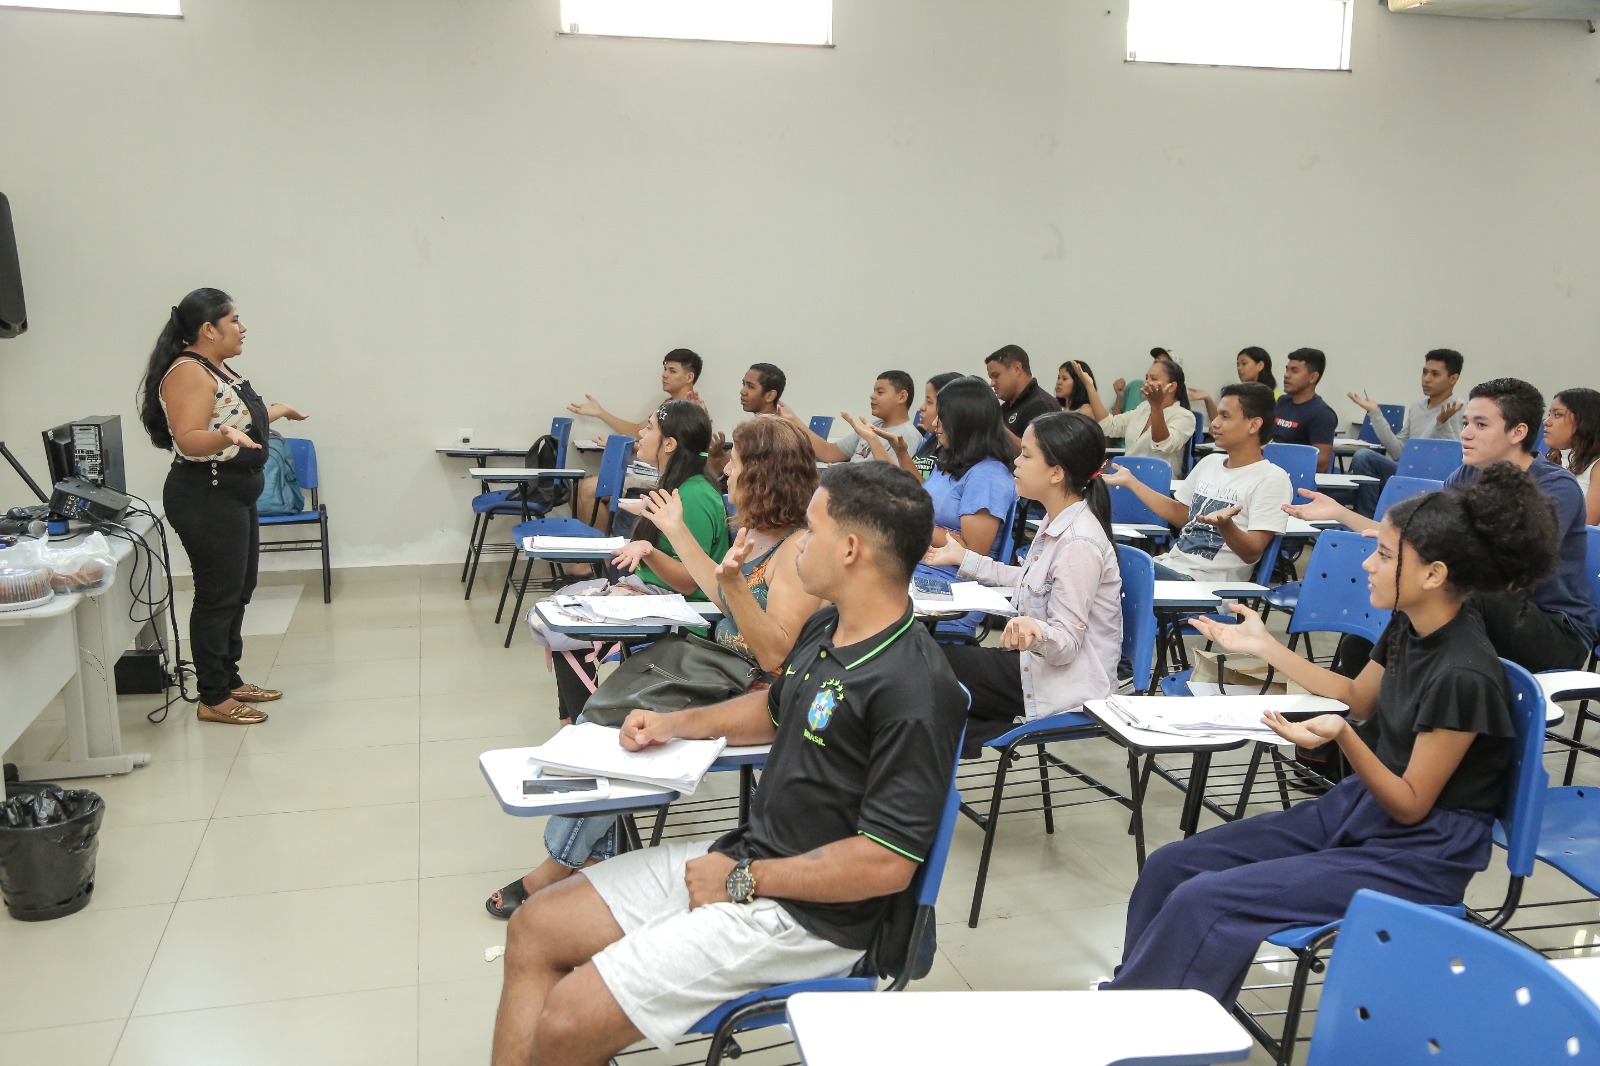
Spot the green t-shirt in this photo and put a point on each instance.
(705, 513)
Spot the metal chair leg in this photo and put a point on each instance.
(516, 612)
(1044, 789)
(472, 538)
(989, 826)
(1577, 735)
(327, 569)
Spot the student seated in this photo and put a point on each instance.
(1303, 417)
(1125, 394)
(674, 441)
(971, 485)
(1251, 364)
(1572, 431)
(1429, 738)
(920, 460)
(771, 478)
(890, 403)
(1436, 416)
(1063, 645)
(680, 370)
(1554, 626)
(1231, 505)
(1072, 386)
(1161, 426)
(863, 720)
(762, 389)
(1021, 397)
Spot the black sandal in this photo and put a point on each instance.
(512, 896)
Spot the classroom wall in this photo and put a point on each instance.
(441, 215)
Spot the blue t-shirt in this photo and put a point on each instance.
(986, 487)
(1566, 591)
(1312, 422)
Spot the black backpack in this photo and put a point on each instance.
(544, 495)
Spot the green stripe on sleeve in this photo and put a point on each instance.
(891, 847)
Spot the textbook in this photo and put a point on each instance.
(1216, 717)
(666, 610)
(590, 749)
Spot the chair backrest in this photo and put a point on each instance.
(1138, 613)
(1429, 457)
(1524, 807)
(1399, 488)
(1393, 413)
(916, 942)
(1333, 595)
(1299, 461)
(1127, 507)
(613, 468)
(1268, 562)
(1192, 454)
(561, 430)
(822, 425)
(1004, 548)
(1407, 984)
(1594, 563)
(304, 454)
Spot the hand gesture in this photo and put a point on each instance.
(1154, 391)
(1116, 475)
(1448, 411)
(730, 570)
(290, 413)
(1317, 508)
(785, 411)
(236, 436)
(630, 555)
(643, 728)
(694, 398)
(1021, 634)
(707, 879)
(1085, 377)
(894, 440)
(665, 509)
(1199, 395)
(860, 424)
(1119, 385)
(717, 454)
(1363, 401)
(1312, 733)
(1248, 637)
(950, 553)
(589, 407)
(1215, 519)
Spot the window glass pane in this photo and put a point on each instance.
(764, 21)
(115, 7)
(1310, 34)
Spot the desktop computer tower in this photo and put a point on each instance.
(90, 448)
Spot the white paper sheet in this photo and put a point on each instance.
(594, 749)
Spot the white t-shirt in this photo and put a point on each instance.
(1260, 489)
(860, 451)
(1134, 427)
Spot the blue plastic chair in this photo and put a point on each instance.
(1299, 461)
(1401, 487)
(1138, 645)
(1429, 457)
(303, 453)
(1584, 714)
(1393, 413)
(1126, 505)
(1408, 985)
(1192, 453)
(497, 503)
(608, 487)
(767, 1007)
(822, 425)
(1517, 823)
(1332, 598)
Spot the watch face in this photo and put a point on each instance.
(740, 885)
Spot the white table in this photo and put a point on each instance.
(1172, 1027)
(1566, 685)
(1342, 481)
(1583, 972)
(557, 621)
(38, 662)
(466, 451)
(524, 473)
(1179, 595)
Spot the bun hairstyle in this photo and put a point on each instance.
(1076, 444)
(181, 329)
(688, 424)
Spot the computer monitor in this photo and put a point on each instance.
(90, 448)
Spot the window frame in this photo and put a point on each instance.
(564, 29)
(1346, 47)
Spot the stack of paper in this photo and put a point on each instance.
(964, 596)
(1216, 717)
(665, 610)
(595, 749)
(571, 544)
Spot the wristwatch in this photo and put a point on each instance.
(741, 883)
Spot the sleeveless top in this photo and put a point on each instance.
(234, 403)
(755, 577)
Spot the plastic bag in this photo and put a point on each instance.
(85, 565)
(49, 840)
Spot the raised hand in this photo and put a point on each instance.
(1084, 376)
(665, 509)
(1248, 636)
(285, 411)
(731, 568)
(950, 553)
(894, 440)
(234, 435)
(1363, 401)
(1154, 391)
(630, 555)
(589, 407)
(1448, 411)
(1021, 634)
(1312, 733)
(1214, 519)
(1199, 395)
(1318, 507)
(1116, 475)
(785, 411)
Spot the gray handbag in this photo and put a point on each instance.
(675, 672)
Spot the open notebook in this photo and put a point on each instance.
(587, 748)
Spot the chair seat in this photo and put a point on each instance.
(289, 519)
(1569, 835)
(1301, 936)
(483, 501)
(1285, 597)
(709, 1023)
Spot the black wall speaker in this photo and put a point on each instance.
(13, 315)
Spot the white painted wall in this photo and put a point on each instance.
(440, 214)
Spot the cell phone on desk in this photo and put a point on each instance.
(556, 786)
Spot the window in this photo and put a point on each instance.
(761, 21)
(1303, 34)
(114, 7)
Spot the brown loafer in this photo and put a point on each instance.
(240, 715)
(255, 694)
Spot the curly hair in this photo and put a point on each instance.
(777, 473)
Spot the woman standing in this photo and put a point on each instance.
(1062, 647)
(1251, 364)
(192, 402)
(1572, 430)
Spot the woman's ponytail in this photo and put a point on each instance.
(180, 330)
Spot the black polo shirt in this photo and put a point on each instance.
(866, 744)
(1030, 403)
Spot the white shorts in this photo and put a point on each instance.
(674, 965)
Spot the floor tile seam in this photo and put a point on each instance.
(273, 999)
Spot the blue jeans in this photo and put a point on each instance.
(1374, 464)
(574, 841)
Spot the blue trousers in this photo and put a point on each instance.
(1374, 464)
(1202, 906)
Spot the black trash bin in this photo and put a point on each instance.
(49, 838)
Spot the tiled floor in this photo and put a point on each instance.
(311, 890)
